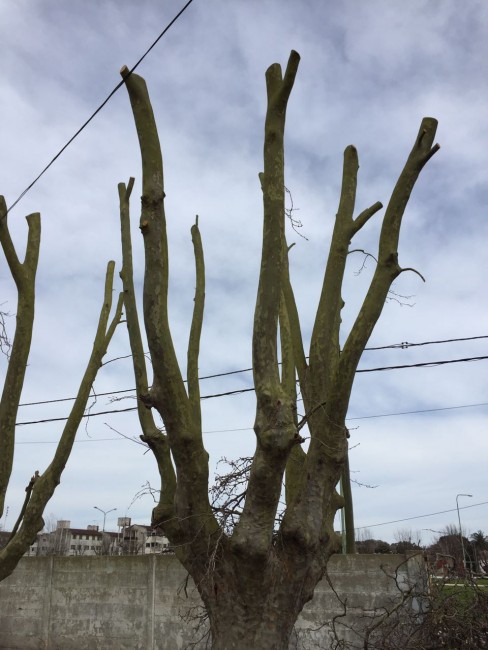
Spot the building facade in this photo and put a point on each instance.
(131, 539)
(65, 540)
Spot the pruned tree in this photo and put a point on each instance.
(41, 486)
(253, 580)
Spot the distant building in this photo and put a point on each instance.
(156, 542)
(75, 541)
(138, 539)
(132, 539)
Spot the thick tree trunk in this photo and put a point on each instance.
(257, 607)
(257, 629)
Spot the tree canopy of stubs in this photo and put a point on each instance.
(255, 579)
(41, 486)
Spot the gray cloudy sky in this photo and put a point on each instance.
(369, 73)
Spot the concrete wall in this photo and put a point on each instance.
(140, 602)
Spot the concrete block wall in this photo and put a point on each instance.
(141, 602)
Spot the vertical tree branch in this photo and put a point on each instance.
(103, 337)
(311, 516)
(45, 484)
(324, 347)
(294, 324)
(24, 275)
(276, 412)
(296, 457)
(265, 360)
(151, 435)
(387, 268)
(196, 327)
(331, 373)
(168, 394)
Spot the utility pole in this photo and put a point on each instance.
(460, 529)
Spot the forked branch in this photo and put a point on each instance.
(24, 275)
(151, 435)
(41, 490)
(388, 267)
(275, 424)
(168, 395)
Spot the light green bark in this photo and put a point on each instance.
(24, 275)
(151, 435)
(186, 514)
(41, 487)
(255, 581)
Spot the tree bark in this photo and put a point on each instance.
(24, 275)
(41, 487)
(255, 581)
(190, 525)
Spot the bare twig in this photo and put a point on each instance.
(131, 438)
(295, 223)
(5, 344)
(366, 255)
(400, 299)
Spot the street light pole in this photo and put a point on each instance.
(105, 513)
(460, 528)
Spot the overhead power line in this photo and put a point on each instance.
(132, 390)
(406, 344)
(418, 411)
(431, 514)
(362, 417)
(403, 345)
(105, 101)
(427, 364)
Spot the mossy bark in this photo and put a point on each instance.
(255, 581)
(41, 487)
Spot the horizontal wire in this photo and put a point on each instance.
(406, 344)
(429, 364)
(403, 345)
(362, 417)
(105, 101)
(431, 514)
(432, 410)
(426, 364)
